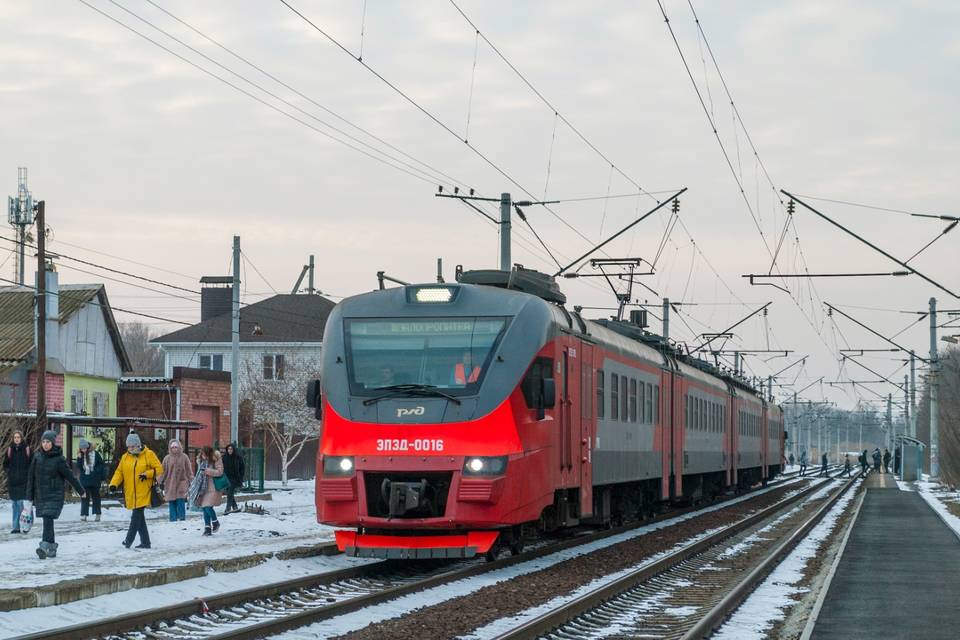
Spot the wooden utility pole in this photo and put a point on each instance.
(41, 322)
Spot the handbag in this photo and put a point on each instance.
(156, 495)
(221, 483)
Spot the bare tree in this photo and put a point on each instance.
(278, 407)
(949, 418)
(145, 358)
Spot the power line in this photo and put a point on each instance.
(97, 304)
(250, 262)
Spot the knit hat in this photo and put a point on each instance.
(133, 440)
(84, 443)
(50, 435)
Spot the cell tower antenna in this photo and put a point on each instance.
(20, 215)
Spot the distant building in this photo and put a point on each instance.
(276, 334)
(85, 354)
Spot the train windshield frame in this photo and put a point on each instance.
(452, 354)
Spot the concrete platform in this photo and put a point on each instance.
(899, 575)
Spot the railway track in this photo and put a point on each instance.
(689, 593)
(270, 609)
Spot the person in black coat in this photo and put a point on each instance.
(16, 464)
(886, 461)
(876, 460)
(896, 460)
(48, 471)
(233, 468)
(92, 474)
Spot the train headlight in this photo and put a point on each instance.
(485, 466)
(432, 294)
(337, 465)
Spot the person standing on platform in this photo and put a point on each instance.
(896, 460)
(137, 470)
(45, 488)
(846, 464)
(876, 460)
(203, 491)
(791, 459)
(233, 468)
(16, 464)
(92, 473)
(886, 461)
(823, 465)
(803, 462)
(864, 465)
(177, 473)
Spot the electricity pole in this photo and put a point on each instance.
(934, 393)
(913, 395)
(41, 320)
(666, 322)
(310, 276)
(235, 344)
(505, 263)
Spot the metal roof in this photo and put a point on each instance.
(108, 422)
(17, 318)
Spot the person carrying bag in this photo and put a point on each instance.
(138, 469)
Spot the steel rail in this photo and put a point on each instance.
(547, 622)
(130, 622)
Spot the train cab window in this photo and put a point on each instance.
(633, 400)
(624, 400)
(600, 394)
(540, 369)
(452, 354)
(614, 396)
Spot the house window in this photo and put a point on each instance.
(101, 403)
(212, 361)
(77, 404)
(273, 366)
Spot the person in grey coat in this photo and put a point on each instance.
(45, 488)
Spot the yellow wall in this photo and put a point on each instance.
(89, 385)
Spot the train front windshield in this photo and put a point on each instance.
(452, 354)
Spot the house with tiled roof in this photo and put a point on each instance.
(85, 354)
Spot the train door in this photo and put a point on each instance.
(570, 418)
(664, 430)
(587, 426)
(733, 419)
(678, 440)
(764, 440)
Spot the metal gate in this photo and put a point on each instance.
(253, 460)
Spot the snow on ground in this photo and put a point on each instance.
(767, 603)
(39, 619)
(935, 495)
(405, 604)
(94, 548)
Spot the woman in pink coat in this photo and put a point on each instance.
(177, 474)
(203, 492)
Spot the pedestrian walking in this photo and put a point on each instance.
(803, 462)
(45, 488)
(876, 460)
(16, 464)
(136, 472)
(886, 460)
(233, 468)
(896, 460)
(792, 460)
(823, 465)
(203, 490)
(846, 464)
(92, 473)
(176, 477)
(864, 465)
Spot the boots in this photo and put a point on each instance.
(83, 518)
(206, 532)
(216, 526)
(47, 550)
(97, 518)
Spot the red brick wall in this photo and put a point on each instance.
(54, 391)
(206, 401)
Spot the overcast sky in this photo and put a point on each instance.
(142, 157)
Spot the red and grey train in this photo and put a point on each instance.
(457, 416)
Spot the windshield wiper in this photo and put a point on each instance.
(424, 390)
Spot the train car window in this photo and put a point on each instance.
(624, 400)
(633, 399)
(686, 414)
(601, 408)
(656, 403)
(540, 369)
(452, 354)
(698, 414)
(648, 404)
(614, 396)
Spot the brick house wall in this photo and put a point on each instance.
(54, 391)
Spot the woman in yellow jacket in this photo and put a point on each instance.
(136, 472)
